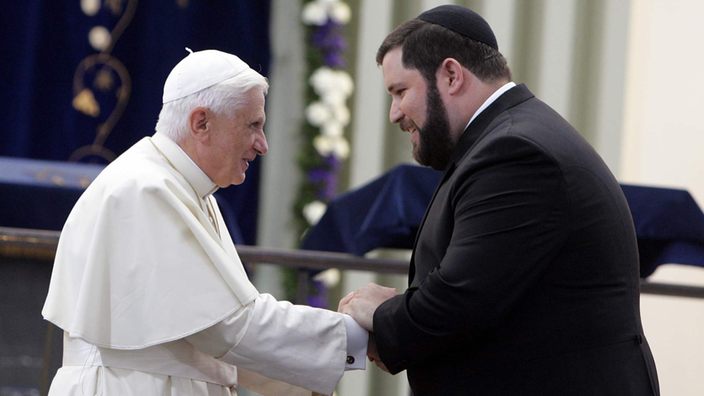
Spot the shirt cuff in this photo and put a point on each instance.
(357, 339)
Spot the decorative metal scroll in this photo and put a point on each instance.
(102, 74)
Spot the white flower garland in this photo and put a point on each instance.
(330, 113)
(317, 12)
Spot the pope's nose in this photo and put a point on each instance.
(260, 145)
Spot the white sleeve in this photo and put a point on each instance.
(357, 340)
(297, 344)
(219, 338)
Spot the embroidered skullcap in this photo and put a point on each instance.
(200, 70)
(463, 21)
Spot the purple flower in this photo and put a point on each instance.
(318, 174)
(331, 25)
(326, 182)
(318, 297)
(318, 38)
(332, 162)
(334, 60)
(330, 190)
(336, 43)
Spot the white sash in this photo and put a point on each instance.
(176, 359)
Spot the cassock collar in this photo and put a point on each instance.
(185, 165)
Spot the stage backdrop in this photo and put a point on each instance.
(82, 79)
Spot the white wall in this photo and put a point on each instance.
(674, 327)
(664, 140)
(663, 145)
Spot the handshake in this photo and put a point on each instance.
(360, 305)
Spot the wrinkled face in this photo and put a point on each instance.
(235, 141)
(415, 103)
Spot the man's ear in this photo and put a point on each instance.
(451, 76)
(199, 123)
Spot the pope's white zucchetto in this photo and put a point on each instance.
(200, 70)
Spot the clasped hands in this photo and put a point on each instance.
(360, 305)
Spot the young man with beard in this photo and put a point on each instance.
(524, 278)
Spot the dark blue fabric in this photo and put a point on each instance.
(384, 213)
(669, 225)
(387, 213)
(45, 41)
(38, 194)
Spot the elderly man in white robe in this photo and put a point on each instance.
(147, 284)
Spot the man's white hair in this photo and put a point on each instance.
(223, 99)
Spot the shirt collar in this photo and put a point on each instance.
(479, 127)
(185, 165)
(491, 100)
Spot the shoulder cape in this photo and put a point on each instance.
(138, 263)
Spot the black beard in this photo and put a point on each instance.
(435, 146)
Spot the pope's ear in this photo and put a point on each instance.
(199, 120)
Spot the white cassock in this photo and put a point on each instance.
(153, 298)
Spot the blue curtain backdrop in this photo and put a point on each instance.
(83, 79)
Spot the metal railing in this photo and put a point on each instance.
(39, 244)
(24, 244)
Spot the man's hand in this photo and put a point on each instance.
(362, 303)
(373, 353)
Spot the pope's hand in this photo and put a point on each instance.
(362, 303)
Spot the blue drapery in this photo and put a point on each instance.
(66, 99)
(388, 211)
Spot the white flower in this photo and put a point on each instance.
(333, 80)
(341, 114)
(323, 144)
(345, 82)
(314, 211)
(336, 145)
(334, 98)
(340, 12)
(322, 79)
(327, 3)
(314, 14)
(317, 12)
(318, 113)
(341, 148)
(330, 278)
(332, 129)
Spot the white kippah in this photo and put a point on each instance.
(200, 70)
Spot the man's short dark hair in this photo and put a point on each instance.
(426, 45)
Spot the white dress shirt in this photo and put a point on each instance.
(491, 100)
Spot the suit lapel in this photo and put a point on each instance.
(412, 267)
(471, 135)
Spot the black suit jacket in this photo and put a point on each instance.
(524, 276)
